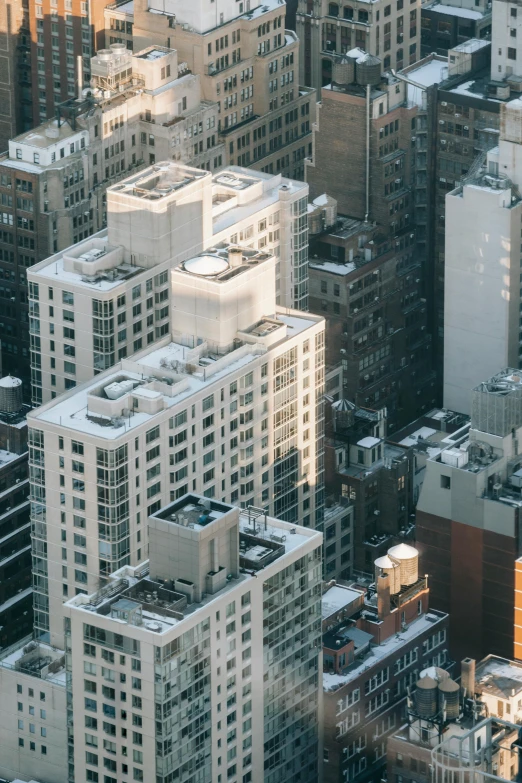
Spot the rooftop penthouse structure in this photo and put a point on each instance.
(119, 280)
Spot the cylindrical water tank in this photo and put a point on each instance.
(408, 559)
(449, 692)
(435, 672)
(11, 397)
(330, 211)
(426, 697)
(343, 411)
(385, 565)
(368, 70)
(315, 220)
(343, 71)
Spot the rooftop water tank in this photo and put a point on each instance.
(449, 692)
(426, 697)
(343, 411)
(408, 559)
(435, 672)
(315, 219)
(329, 207)
(368, 70)
(343, 71)
(386, 566)
(11, 398)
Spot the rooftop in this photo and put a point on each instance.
(338, 597)
(453, 10)
(132, 598)
(473, 45)
(223, 263)
(239, 193)
(47, 134)
(170, 372)
(430, 70)
(92, 264)
(153, 52)
(498, 677)
(36, 660)
(6, 457)
(159, 181)
(375, 654)
(390, 454)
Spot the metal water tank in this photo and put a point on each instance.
(11, 396)
(368, 70)
(408, 559)
(426, 697)
(343, 71)
(449, 693)
(386, 566)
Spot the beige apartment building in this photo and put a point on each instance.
(388, 29)
(248, 65)
(227, 404)
(174, 676)
(53, 180)
(112, 294)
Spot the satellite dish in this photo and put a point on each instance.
(205, 503)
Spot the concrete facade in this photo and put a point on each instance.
(235, 415)
(222, 696)
(33, 729)
(486, 263)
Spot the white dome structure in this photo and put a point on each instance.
(206, 266)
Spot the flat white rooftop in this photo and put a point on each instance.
(290, 537)
(164, 366)
(453, 10)
(336, 598)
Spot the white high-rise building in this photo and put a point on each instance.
(111, 295)
(205, 662)
(482, 302)
(228, 404)
(506, 42)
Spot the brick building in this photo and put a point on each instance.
(470, 503)
(373, 651)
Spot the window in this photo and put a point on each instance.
(512, 53)
(445, 482)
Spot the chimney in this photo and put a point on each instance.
(79, 63)
(383, 596)
(467, 679)
(235, 256)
